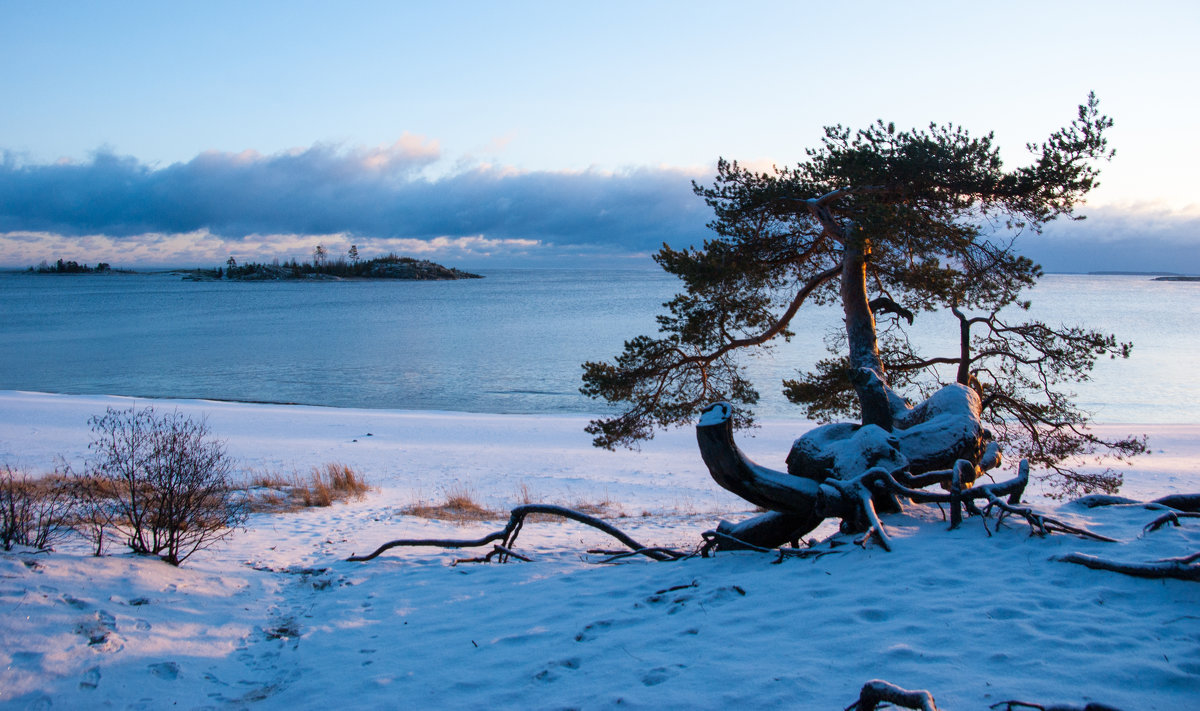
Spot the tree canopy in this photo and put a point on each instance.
(893, 226)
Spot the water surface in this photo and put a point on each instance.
(512, 342)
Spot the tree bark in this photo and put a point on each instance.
(737, 473)
(862, 337)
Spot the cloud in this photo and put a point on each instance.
(1134, 237)
(399, 197)
(202, 248)
(380, 193)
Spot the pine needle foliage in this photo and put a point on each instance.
(893, 226)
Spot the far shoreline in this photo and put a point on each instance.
(760, 419)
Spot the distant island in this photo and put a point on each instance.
(70, 267)
(1130, 273)
(1158, 276)
(389, 266)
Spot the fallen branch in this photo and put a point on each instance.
(508, 535)
(614, 556)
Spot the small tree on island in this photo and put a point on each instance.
(891, 225)
(353, 253)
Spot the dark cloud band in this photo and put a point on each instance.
(324, 190)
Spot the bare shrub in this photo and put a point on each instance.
(33, 512)
(160, 483)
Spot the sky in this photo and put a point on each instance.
(530, 133)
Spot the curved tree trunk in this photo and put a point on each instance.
(794, 501)
(862, 338)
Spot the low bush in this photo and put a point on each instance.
(158, 482)
(33, 512)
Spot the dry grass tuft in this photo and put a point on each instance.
(324, 486)
(458, 506)
(333, 482)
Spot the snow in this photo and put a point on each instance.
(275, 618)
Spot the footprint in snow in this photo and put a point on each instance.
(27, 660)
(594, 630)
(99, 628)
(91, 679)
(548, 674)
(74, 602)
(168, 671)
(658, 675)
(872, 614)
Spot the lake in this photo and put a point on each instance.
(510, 343)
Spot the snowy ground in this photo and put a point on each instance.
(276, 619)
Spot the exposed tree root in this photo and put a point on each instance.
(877, 691)
(1013, 705)
(1185, 568)
(1039, 523)
(1171, 517)
(1182, 568)
(508, 535)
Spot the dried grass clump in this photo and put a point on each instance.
(599, 508)
(330, 483)
(459, 506)
(324, 485)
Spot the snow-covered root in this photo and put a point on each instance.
(1177, 506)
(798, 503)
(508, 536)
(1014, 705)
(1182, 568)
(878, 691)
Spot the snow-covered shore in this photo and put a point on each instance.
(276, 619)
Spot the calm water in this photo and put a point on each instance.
(512, 342)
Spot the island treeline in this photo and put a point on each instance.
(389, 266)
(69, 267)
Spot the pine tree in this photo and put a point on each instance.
(894, 225)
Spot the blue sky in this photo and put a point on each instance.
(520, 132)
